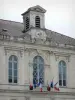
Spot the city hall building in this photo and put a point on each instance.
(31, 53)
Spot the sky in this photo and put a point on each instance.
(59, 16)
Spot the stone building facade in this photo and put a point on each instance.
(29, 52)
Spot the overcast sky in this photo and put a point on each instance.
(60, 15)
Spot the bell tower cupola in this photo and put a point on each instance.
(34, 17)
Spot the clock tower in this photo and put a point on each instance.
(34, 23)
(34, 17)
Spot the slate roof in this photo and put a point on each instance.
(16, 28)
(13, 28)
(59, 38)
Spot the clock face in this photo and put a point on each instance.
(38, 34)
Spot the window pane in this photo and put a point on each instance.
(64, 82)
(10, 58)
(60, 82)
(64, 72)
(41, 73)
(35, 67)
(41, 80)
(10, 72)
(10, 65)
(15, 65)
(63, 63)
(60, 76)
(15, 79)
(10, 79)
(38, 69)
(64, 76)
(41, 60)
(35, 60)
(35, 73)
(35, 80)
(15, 72)
(64, 69)
(15, 58)
(60, 69)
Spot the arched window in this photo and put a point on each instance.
(12, 70)
(27, 23)
(37, 21)
(62, 73)
(38, 70)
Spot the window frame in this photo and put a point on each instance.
(62, 74)
(38, 58)
(13, 68)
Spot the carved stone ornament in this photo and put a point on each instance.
(57, 55)
(37, 35)
(21, 53)
(38, 52)
(8, 49)
(41, 35)
(68, 58)
(30, 50)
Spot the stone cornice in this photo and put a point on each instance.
(35, 48)
(21, 40)
(37, 92)
(63, 54)
(13, 48)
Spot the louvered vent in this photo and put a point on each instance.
(27, 23)
(37, 21)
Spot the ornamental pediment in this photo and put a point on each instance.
(37, 8)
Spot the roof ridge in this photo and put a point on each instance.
(11, 21)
